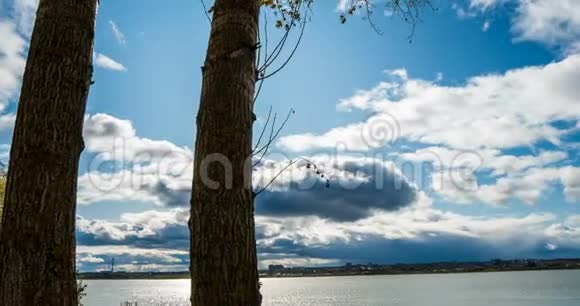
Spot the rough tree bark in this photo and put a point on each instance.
(223, 246)
(37, 250)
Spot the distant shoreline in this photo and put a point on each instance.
(366, 270)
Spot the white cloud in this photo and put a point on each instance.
(15, 31)
(463, 188)
(291, 260)
(484, 4)
(343, 5)
(494, 160)
(124, 249)
(566, 233)
(117, 140)
(143, 169)
(462, 130)
(410, 225)
(106, 62)
(144, 225)
(570, 177)
(145, 239)
(151, 267)
(548, 21)
(150, 240)
(471, 116)
(528, 186)
(90, 259)
(553, 22)
(119, 36)
(25, 13)
(7, 121)
(12, 62)
(130, 258)
(486, 25)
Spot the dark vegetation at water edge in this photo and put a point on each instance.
(495, 265)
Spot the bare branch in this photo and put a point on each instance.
(309, 165)
(274, 135)
(206, 11)
(265, 148)
(297, 12)
(263, 129)
(274, 179)
(259, 71)
(276, 51)
(303, 26)
(369, 18)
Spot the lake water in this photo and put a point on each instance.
(542, 288)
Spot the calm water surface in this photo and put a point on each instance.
(545, 288)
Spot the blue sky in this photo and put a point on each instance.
(462, 145)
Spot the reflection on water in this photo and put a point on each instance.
(545, 288)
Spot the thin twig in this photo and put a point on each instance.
(274, 178)
(273, 136)
(291, 54)
(280, 46)
(263, 129)
(260, 72)
(265, 148)
(205, 10)
(292, 162)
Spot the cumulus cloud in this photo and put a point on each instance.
(131, 259)
(15, 30)
(461, 130)
(301, 222)
(358, 187)
(12, 62)
(526, 186)
(402, 236)
(24, 12)
(149, 229)
(456, 174)
(150, 240)
(565, 234)
(90, 259)
(135, 185)
(570, 177)
(128, 167)
(146, 241)
(552, 22)
(124, 166)
(108, 63)
(116, 139)
(500, 164)
(485, 106)
(555, 23)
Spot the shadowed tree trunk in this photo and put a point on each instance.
(37, 250)
(223, 246)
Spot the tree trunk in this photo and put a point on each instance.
(37, 250)
(223, 246)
